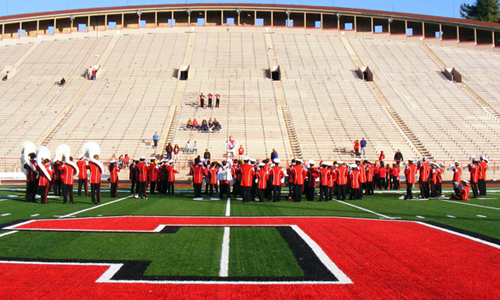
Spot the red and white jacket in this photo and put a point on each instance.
(247, 175)
(153, 172)
(277, 175)
(95, 173)
(113, 173)
(171, 173)
(66, 172)
(262, 177)
(142, 171)
(198, 171)
(341, 173)
(83, 166)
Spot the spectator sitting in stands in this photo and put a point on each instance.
(189, 124)
(204, 125)
(195, 123)
(216, 125)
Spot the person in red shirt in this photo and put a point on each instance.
(381, 156)
(434, 169)
(31, 178)
(312, 174)
(482, 175)
(376, 177)
(56, 180)
(66, 171)
(261, 177)
(370, 184)
(395, 176)
(354, 178)
(290, 179)
(202, 99)
(332, 181)
(214, 169)
(171, 177)
(113, 178)
(241, 151)
(474, 170)
(210, 97)
(362, 178)
(142, 178)
(356, 147)
(277, 176)
(236, 171)
(440, 178)
(83, 166)
(299, 174)
(247, 178)
(324, 174)
(382, 175)
(95, 181)
(463, 192)
(198, 172)
(342, 177)
(410, 172)
(457, 174)
(423, 179)
(44, 179)
(152, 174)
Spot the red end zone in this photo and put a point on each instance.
(384, 260)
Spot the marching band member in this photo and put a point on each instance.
(198, 172)
(354, 179)
(261, 178)
(362, 178)
(312, 174)
(299, 174)
(113, 178)
(423, 179)
(410, 172)
(171, 177)
(31, 179)
(457, 174)
(153, 174)
(225, 175)
(341, 176)
(133, 176)
(482, 175)
(83, 166)
(277, 175)
(95, 181)
(474, 170)
(324, 177)
(142, 177)
(463, 192)
(44, 180)
(247, 176)
(66, 173)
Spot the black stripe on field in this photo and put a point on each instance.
(13, 223)
(466, 232)
(313, 268)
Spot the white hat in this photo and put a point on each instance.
(358, 159)
(481, 157)
(216, 92)
(143, 157)
(312, 162)
(262, 164)
(112, 161)
(339, 162)
(276, 160)
(253, 160)
(80, 156)
(353, 166)
(246, 157)
(202, 159)
(328, 163)
(170, 161)
(152, 157)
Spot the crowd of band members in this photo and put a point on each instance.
(263, 180)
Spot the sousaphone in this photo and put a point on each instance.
(63, 152)
(27, 148)
(43, 153)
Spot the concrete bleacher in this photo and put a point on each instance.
(248, 109)
(445, 118)
(330, 108)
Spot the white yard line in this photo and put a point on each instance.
(224, 257)
(364, 209)
(6, 214)
(7, 233)
(465, 203)
(228, 207)
(94, 207)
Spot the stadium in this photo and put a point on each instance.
(305, 81)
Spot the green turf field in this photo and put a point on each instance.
(196, 251)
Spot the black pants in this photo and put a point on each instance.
(382, 183)
(297, 192)
(434, 190)
(212, 187)
(482, 187)
(133, 186)
(262, 195)
(354, 194)
(424, 188)
(83, 182)
(114, 190)
(67, 191)
(141, 189)
(156, 143)
(197, 189)
(409, 194)
(360, 190)
(323, 193)
(276, 193)
(342, 191)
(95, 192)
(246, 193)
(201, 102)
(225, 189)
(57, 187)
(310, 194)
(217, 102)
(170, 187)
(395, 181)
(290, 190)
(330, 192)
(31, 187)
(237, 189)
(475, 191)
(209, 102)
(153, 187)
(43, 190)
